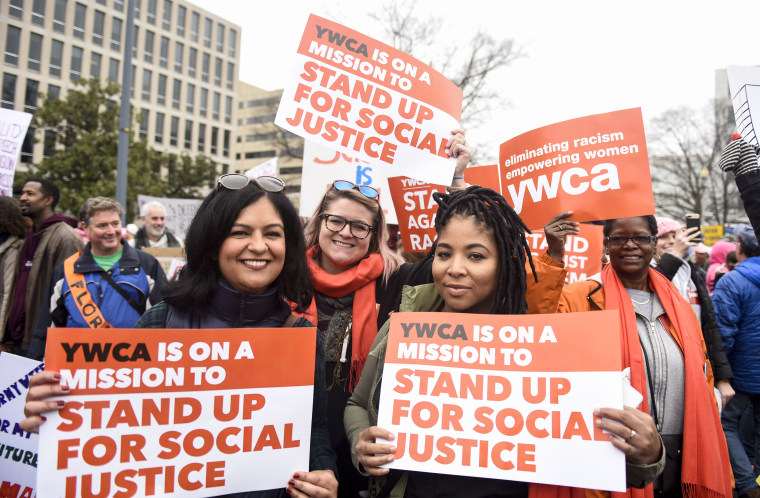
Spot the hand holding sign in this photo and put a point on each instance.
(42, 386)
(557, 231)
(372, 454)
(636, 433)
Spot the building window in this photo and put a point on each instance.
(48, 148)
(76, 63)
(59, 15)
(214, 139)
(9, 91)
(95, 62)
(118, 5)
(190, 107)
(147, 79)
(54, 92)
(80, 14)
(191, 62)
(56, 58)
(27, 147)
(161, 89)
(151, 12)
(113, 70)
(195, 20)
(220, 38)
(30, 98)
(218, 72)
(159, 135)
(132, 83)
(205, 67)
(215, 111)
(230, 75)
(163, 56)
(138, 4)
(116, 34)
(134, 42)
(12, 42)
(97, 27)
(101, 2)
(201, 137)
(232, 43)
(179, 52)
(181, 15)
(207, 27)
(167, 19)
(16, 9)
(174, 131)
(144, 116)
(204, 102)
(176, 93)
(228, 110)
(226, 144)
(38, 12)
(188, 134)
(148, 49)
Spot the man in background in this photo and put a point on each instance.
(154, 232)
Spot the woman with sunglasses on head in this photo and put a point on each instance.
(662, 343)
(478, 266)
(245, 258)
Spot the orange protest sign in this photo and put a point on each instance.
(415, 210)
(485, 176)
(596, 166)
(177, 412)
(583, 252)
(371, 101)
(504, 396)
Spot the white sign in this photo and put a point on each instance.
(323, 165)
(744, 85)
(267, 168)
(18, 449)
(13, 126)
(179, 212)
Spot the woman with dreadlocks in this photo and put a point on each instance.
(478, 266)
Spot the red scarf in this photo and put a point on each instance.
(706, 469)
(361, 281)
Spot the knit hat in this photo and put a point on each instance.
(746, 236)
(666, 225)
(702, 249)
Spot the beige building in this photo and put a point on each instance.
(185, 67)
(259, 140)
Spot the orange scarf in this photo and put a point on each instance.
(706, 469)
(361, 281)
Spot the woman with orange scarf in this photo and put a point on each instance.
(662, 344)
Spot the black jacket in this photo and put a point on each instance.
(141, 239)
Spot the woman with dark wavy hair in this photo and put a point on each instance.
(13, 230)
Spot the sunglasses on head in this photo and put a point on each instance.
(236, 181)
(368, 191)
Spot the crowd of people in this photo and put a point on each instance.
(689, 334)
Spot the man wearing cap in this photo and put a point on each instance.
(737, 308)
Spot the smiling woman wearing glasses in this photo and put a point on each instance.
(353, 269)
(662, 344)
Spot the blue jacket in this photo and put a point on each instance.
(737, 308)
(137, 273)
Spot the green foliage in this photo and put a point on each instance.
(85, 126)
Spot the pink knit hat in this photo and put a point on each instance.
(666, 225)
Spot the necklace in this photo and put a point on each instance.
(642, 303)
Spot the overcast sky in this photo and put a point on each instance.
(581, 57)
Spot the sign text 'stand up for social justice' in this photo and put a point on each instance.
(504, 396)
(371, 101)
(177, 412)
(18, 448)
(596, 166)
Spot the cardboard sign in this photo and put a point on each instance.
(712, 234)
(504, 396)
(583, 252)
(416, 209)
(177, 412)
(13, 126)
(18, 448)
(596, 166)
(179, 212)
(323, 165)
(370, 101)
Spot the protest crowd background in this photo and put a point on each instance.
(571, 230)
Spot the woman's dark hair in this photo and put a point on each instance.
(650, 219)
(12, 221)
(210, 227)
(492, 210)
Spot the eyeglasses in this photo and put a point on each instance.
(236, 181)
(369, 192)
(335, 223)
(639, 240)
